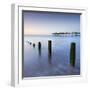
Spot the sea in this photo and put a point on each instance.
(39, 61)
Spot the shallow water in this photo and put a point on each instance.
(40, 63)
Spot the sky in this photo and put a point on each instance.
(46, 23)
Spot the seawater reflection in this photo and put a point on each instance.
(49, 56)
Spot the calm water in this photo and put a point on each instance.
(38, 63)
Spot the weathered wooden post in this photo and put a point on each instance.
(30, 43)
(49, 49)
(72, 53)
(34, 45)
(39, 48)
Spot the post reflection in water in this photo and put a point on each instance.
(39, 48)
(33, 45)
(50, 52)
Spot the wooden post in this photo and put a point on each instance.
(39, 48)
(72, 54)
(34, 45)
(30, 43)
(49, 49)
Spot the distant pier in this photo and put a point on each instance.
(66, 34)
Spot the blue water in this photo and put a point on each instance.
(39, 64)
